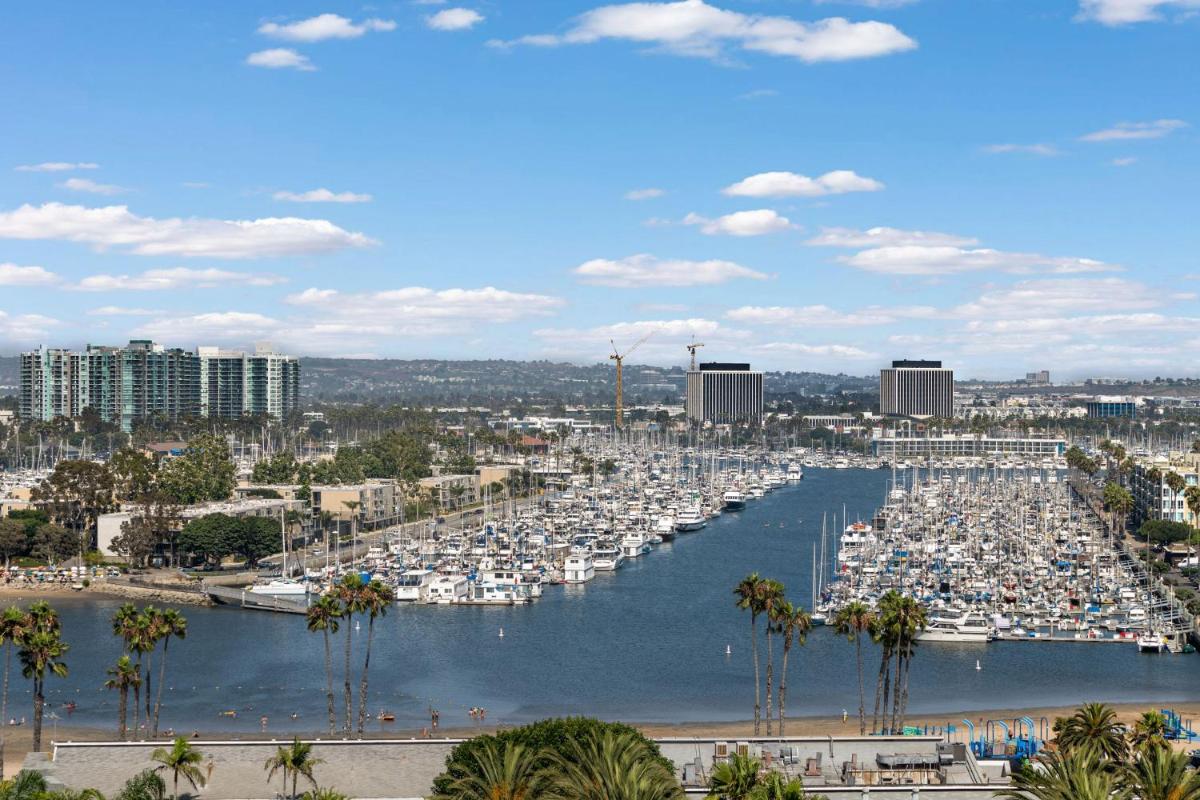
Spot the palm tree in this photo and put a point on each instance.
(171, 623)
(910, 620)
(852, 621)
(771, 597)
(182, 759)
(613, 766)
(793, 622)
(748, 593)
(499, 771)
(25, 785)
(141, 643)
(1064, 775)
(884, 635)
(146, 785)
(1150, 731)
(350, 594)
(13, 625)
(323, 793)
(122, 677)
(1160, 774)
(293, 761)
(773, 786)
(1093, 731)
(41, 652)
(323, 616)
(734, 779)
(376, 598)
(125, 623)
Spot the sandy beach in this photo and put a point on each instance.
(18, 739)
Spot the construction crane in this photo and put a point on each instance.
(692, 349)
(620, 359)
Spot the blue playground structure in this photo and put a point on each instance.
(1023, 740)
(1178, 729)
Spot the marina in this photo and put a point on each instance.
(658, 640)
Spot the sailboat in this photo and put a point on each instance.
(282, 586)
(818, 617)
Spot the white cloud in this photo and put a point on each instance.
(419, 304)
(1125, 131)
(322, 196)
(942, 260)
(868, 3)
(758, 94)
(280, 58)
(25, 327)
(789, 184)
(91, 187)
(666, 337)
(1124, 12)
(822, 316)
(694, 28)
(644, 194)
(1124, 162)
(116, 226)
(120, 311)
(175, 278)
(57, 166)
(882, 237)
(454, 19)
(1059, 297)
(322, 27)
(841, 351)
(647, 270)
(741, 223)
(1031, 149)
(216, 326)
(14, 275)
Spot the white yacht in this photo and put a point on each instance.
(1150, 642)
(733, 500)
(413, 585)
(969, 627)
(634, 545)
(690, 519)
(607, 559)
(280, 587)
(794, 473)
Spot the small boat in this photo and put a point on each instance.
(386, 716)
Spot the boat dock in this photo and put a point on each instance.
(244, 598)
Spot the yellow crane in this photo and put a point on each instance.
(620, 359)
(692, 349)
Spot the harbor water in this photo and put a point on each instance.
(646, 643)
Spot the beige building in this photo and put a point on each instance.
(452, 491)
(379, 504)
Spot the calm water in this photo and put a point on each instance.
(646, 643)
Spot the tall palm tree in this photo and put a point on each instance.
(1160, 774)
(323, 793)
(182, 759)
(771, 597)
(773, 786)
(125, 623)
(499, 771)
(376, 598)
(613, 766)
(41, 653)
(142, 641)
(1064, 775)
(910, 620)
(323, 616)
(793, 623)
(735, 779)
(171, 624)
(13, 624)
(294, 761)
(883, 633)
(853, 621)
(350, 595)
(152, 629)
(1093, 731)
(748, 593)
(122, 677)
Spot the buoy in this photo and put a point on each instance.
(977, 665)
(502, 633)
(728, 650)
(356, 625)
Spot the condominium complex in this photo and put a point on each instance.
(144, 380)
(916, 389)
(724, 393)
(234, 383)
(1158, 495)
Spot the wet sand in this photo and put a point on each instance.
(18, 739)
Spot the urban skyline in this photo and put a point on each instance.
(1007, 219)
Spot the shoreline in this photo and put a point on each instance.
(17, 740)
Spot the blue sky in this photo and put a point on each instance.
(1008, 185)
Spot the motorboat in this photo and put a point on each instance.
(969, 627)
(733, 500)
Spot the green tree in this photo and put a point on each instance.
(1064, 775)
(14, 624)
(497, 771)
(772, 597)
(182, 760)
(749, 598)
(204, 472)
(122, 677)
(171, 624)
(323, 616)
(1159, 773)
(279, 468)
(1093, 732)
(25, 785)
(42, 651)
(13, 540)
(734, 779)
(608, 765)
(146, 785)
(294, 761)
(74, 494)
(134, 474)
(377, 597)
(1150, 731)
(793, 623)
(54, 543)
(854, 621)
(350, 593)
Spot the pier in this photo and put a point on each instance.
(244, 598)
